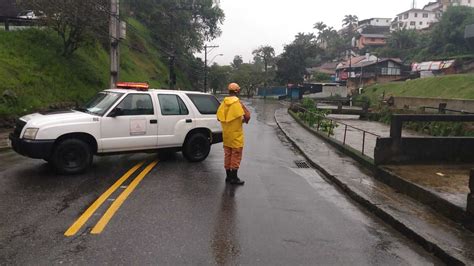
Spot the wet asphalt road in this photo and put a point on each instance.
(183, 213)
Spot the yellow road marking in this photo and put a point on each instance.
(76, 226)
(99, 227)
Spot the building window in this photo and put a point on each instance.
(416, 15)
(405, 16)
(425, 15)
(400, 17)
(421, 22)
(412, 23)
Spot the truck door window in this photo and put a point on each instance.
(172, 105)
(206, 104)
(136, 104)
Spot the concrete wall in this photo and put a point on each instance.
(424, 150)
(354, 83)
(329, 91)
(416, 102)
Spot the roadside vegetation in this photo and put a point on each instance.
(33, 76)
(66, 61)
(451, 87)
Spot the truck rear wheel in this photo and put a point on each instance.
(72, 156)
(197, 147)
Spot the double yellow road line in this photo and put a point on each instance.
(99, 227)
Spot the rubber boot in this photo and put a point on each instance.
(228, 176)
(235, 180)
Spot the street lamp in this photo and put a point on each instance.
(212, 60)
(205, 69)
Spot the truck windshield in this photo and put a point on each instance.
(100, 103)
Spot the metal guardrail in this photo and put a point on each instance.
(18, 23)
(396, 125)
(444, 110)
(336, 122)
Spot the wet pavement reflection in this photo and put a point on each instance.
(225, 244)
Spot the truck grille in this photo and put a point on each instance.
(19, 125)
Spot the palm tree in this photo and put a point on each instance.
(350, 21)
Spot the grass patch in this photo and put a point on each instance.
(32, 68)
(451, 87)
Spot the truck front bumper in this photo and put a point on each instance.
(37, 149)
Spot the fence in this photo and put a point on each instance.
(13, 24)
(330, 128)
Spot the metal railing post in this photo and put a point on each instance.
(329, 129)
(345, 134)
(363, 143)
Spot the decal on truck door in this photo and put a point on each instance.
(137, 126)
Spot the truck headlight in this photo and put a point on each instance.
(30, 133)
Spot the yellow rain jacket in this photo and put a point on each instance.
(230, 114)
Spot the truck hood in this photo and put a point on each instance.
(39, 120)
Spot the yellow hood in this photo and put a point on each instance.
(230, 109)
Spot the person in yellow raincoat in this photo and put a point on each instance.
(232, 114)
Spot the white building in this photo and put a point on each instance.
(419, 19)
(379, 22)
(447, 3)
(415, 19)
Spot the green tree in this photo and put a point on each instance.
(293, 61)
(447, 37)
(179, 26)
(248, 77)
(350, 21)
(76, 22)
(219, 77)
(237, 62)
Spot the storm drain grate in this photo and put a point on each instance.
(302, 164)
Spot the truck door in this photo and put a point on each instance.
(175, 121)
(131, 125)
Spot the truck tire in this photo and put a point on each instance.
(197, 147)
(72, 156)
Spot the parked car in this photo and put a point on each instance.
(130, 118)
(30, 14)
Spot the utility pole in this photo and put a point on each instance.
(205, 63)
(114, 31)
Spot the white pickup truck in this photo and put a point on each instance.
(131, 118)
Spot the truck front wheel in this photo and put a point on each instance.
(72, 156)
(197, 147)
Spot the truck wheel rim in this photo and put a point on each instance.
(73, 157)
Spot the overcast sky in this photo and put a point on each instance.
(252, 23)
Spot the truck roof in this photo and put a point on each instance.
(156, 90)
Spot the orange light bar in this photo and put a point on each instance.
(133, 85)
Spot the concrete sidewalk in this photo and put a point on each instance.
(446, 239)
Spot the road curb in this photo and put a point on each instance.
(427, 243)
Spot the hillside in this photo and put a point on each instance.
(33, 72)
(453, 86)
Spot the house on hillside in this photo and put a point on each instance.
(415, 19)
(434, 68)
(378, 22)
(371, 70)
(372, 36)
(326, 68)
(8, 8)
(445, 4)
